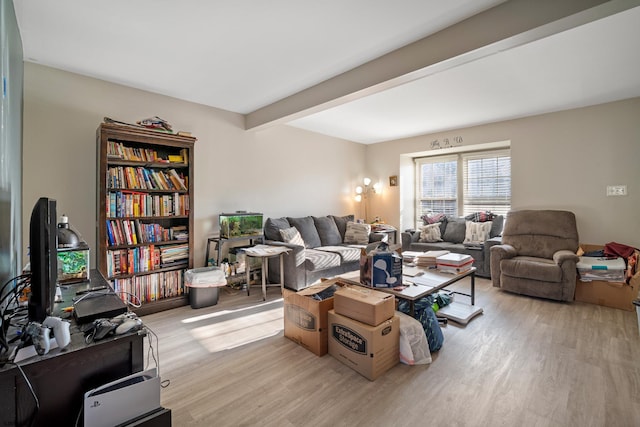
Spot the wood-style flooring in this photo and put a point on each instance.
(523, 362)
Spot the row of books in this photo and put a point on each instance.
(142, 259)
(117, 150)
(122, 204)
(140, 178)
(174, 254)
(132, 261)
(133, 232)
(150, 287)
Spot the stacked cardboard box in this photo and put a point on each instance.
(305, 315)
(364, 332)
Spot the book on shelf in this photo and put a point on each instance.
(150, 287)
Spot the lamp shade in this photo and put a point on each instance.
(67, 237)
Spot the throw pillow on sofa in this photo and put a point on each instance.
(430, 233)
(477, 232)
(357, 233)
(291, 235)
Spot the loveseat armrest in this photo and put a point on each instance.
(296, 255)
(408, 237)
(498, 253)
(376, 237)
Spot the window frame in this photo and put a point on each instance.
(461, 158)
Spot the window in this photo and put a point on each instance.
(461, 184)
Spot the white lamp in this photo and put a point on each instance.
(362, 192)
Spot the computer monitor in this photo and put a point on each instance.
(43, 252)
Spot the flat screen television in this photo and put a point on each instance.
(43, 252)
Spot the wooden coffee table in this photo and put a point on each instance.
(429, 282)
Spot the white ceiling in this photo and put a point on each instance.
(244, 55)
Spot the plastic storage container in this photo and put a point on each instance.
(203, 284)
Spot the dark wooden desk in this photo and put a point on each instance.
(60, 378)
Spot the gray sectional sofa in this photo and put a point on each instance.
(453, 234)
(323, 255)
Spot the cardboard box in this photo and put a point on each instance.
(380, 268)
(305, 318)
(369, 350)
(364, 304)
(609, 294)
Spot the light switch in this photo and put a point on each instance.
(616, 190)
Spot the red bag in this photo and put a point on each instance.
(612, 249)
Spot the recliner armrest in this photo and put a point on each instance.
(498, 253)
(563, 256)
(503, 251)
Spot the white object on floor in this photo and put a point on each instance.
(459, 312)
(414, 348)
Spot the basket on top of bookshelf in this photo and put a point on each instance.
(145, 220)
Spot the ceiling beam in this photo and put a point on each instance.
(510, 24)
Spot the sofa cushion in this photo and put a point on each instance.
(341, 223)
(272, 227)
(320, 260)
(455, 231)
(292, 235)
(430, 233)
(357, 233)
(307, 229)
(496, 226)
(477, 232)
(327, 230)
(347, 253)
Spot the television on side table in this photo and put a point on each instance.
(43, 256)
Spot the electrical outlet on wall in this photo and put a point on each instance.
(616, 190)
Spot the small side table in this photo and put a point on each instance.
(264, 252)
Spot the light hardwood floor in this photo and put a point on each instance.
(523, 362)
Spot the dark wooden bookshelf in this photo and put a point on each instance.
(162, 144)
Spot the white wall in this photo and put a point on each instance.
(281, 171)
(561, 160)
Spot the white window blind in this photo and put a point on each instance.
(487, 182)
(437, 185)
(461, 184)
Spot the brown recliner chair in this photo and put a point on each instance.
(537, 256)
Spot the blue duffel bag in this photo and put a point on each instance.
(424, 313)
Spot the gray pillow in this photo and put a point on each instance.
(341, 223)
(328, 230)
(272, 227)
(455, 231)
(496, 227)
(307, 229)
